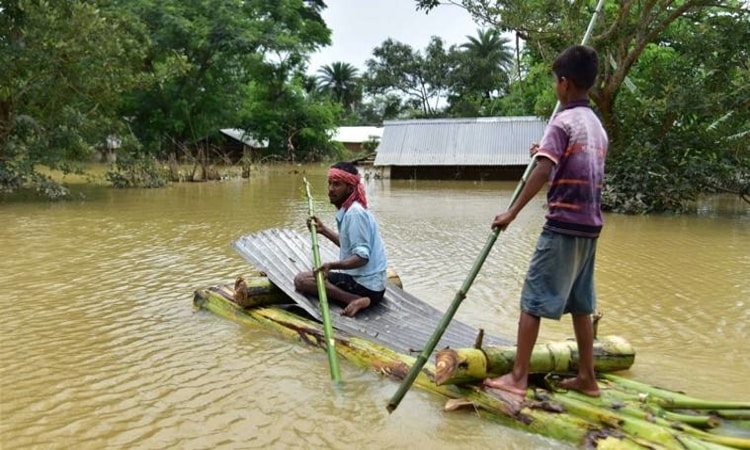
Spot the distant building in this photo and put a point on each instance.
(238, 142)
(485, 148)
(354, 137)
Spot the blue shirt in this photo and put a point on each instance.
(359, 235)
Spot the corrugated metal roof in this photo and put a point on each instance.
(244, 137)
(357, 134)
(400, 322)
(483, 141)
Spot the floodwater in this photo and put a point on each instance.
(101, 347)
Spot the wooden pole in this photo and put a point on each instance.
(461, 294)
(333, 362)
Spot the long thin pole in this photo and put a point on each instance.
(333, 362)
(461, 294)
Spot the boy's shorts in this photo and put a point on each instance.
(346, 282)
(560, 279)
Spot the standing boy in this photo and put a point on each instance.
(560, 278)
(358, 278)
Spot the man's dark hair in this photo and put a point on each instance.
(346, 166)
(579, 64)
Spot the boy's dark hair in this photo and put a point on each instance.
(579, 64)
(346, 166)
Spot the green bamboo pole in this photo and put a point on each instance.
(333, 362)
(461, 294)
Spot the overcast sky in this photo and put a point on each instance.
(358, 26)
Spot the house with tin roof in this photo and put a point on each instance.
(482, 148)
(238, 142)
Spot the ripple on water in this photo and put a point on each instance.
(101, 346)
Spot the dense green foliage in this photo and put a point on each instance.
(61, 85)
(673, 92)
(159, 77)
(153, 81)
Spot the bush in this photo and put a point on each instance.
(137, 172)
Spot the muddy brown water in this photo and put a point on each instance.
(101, 348)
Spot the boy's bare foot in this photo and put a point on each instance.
(507, 384)
(356, 306)
(576, 384)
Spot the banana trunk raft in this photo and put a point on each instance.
(629, 414)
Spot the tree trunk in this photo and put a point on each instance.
(468, 365)
(257, 290)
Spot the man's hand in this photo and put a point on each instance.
(312, 220)
(533, 149)
(323, 230)
(324, 269)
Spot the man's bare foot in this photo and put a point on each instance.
(576, 384)
(507, 384)
(356, 306)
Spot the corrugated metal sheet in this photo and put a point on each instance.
(400, 322)
(484, 141)
(244, 137)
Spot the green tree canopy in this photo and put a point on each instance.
(223, 47)
(65, 67)
(159, 75)
(480, 72)
(341, 82)
(679, 127)
(421, 78)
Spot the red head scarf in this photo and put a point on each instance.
(358, 194)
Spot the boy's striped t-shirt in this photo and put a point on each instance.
(576, 142)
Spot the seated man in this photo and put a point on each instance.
(358, 278)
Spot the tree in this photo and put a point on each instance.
(65, 67)
(491, 59)
(691, 104)
(340, 81)
(159, 75)
(421, 79)
(377, 108)
(480, 73)
(222, 48)
(674, 131)
(297, 125)
(622, 33)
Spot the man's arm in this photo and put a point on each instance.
(324, 230)
(331, 235)
(350, 262)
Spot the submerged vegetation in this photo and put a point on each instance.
(147, 86)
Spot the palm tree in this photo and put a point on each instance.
(491, 59)
(341, 81)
